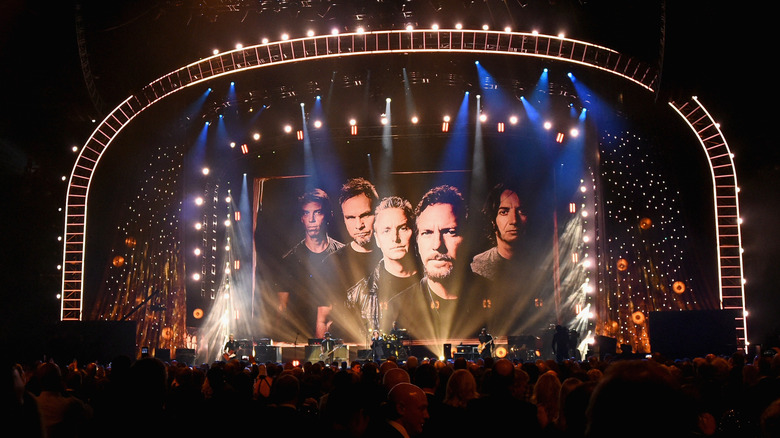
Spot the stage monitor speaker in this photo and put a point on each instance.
(606, 346)
(267, 353)
(313, 353)
(693, 333)
(164, 354)
(186, 356)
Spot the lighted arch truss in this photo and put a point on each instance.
(311, 48)
(726, 201)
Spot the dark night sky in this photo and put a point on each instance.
(718, 52)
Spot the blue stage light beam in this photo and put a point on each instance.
(542, 91)
(493, 97)
(308, 156)
(456, 155)
(328, 165)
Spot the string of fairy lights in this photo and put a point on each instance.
(144, 279)
(644, 268)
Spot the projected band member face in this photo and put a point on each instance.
(313, 219)
(393, 233)
(510, 219)
(359, 219)
(438, 231)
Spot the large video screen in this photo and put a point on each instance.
(432, 242)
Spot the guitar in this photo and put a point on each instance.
(483, 345)
(325, 355)
(230, 354)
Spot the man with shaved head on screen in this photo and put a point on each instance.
(298, 291)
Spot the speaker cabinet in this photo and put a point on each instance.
(606, 346)
(267, 353)
(693, 333)
(164, 354)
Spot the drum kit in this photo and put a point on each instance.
(394, 344)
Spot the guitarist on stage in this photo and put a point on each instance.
(328, 347)
(485, 347)
(231, 348)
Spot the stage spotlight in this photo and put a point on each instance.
(196, 276)
(227, 224)
(334, 31)
(483, 118)
(239, 46)
(198, 226)
(446, 118)
(535, 32)
(415, 120)
(435, 27)
(561, 35)
(75, 148)
(205, 170)
(458, 26)
(507, 29)
(485, 27)
(352, 122)
(196, 251)
(317, 124)
(287, 129)
(384, 119)
(547, 125)
(232, 144)
(228, 199)
(360, 30)
(310, 33)
(198, 201)
(285, 37)
(409, 27)
(256, 136)
(513, 120)
(215, 52)
(574, 132)
(264, 41)
(583, 189)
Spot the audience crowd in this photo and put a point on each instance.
(712, 396)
